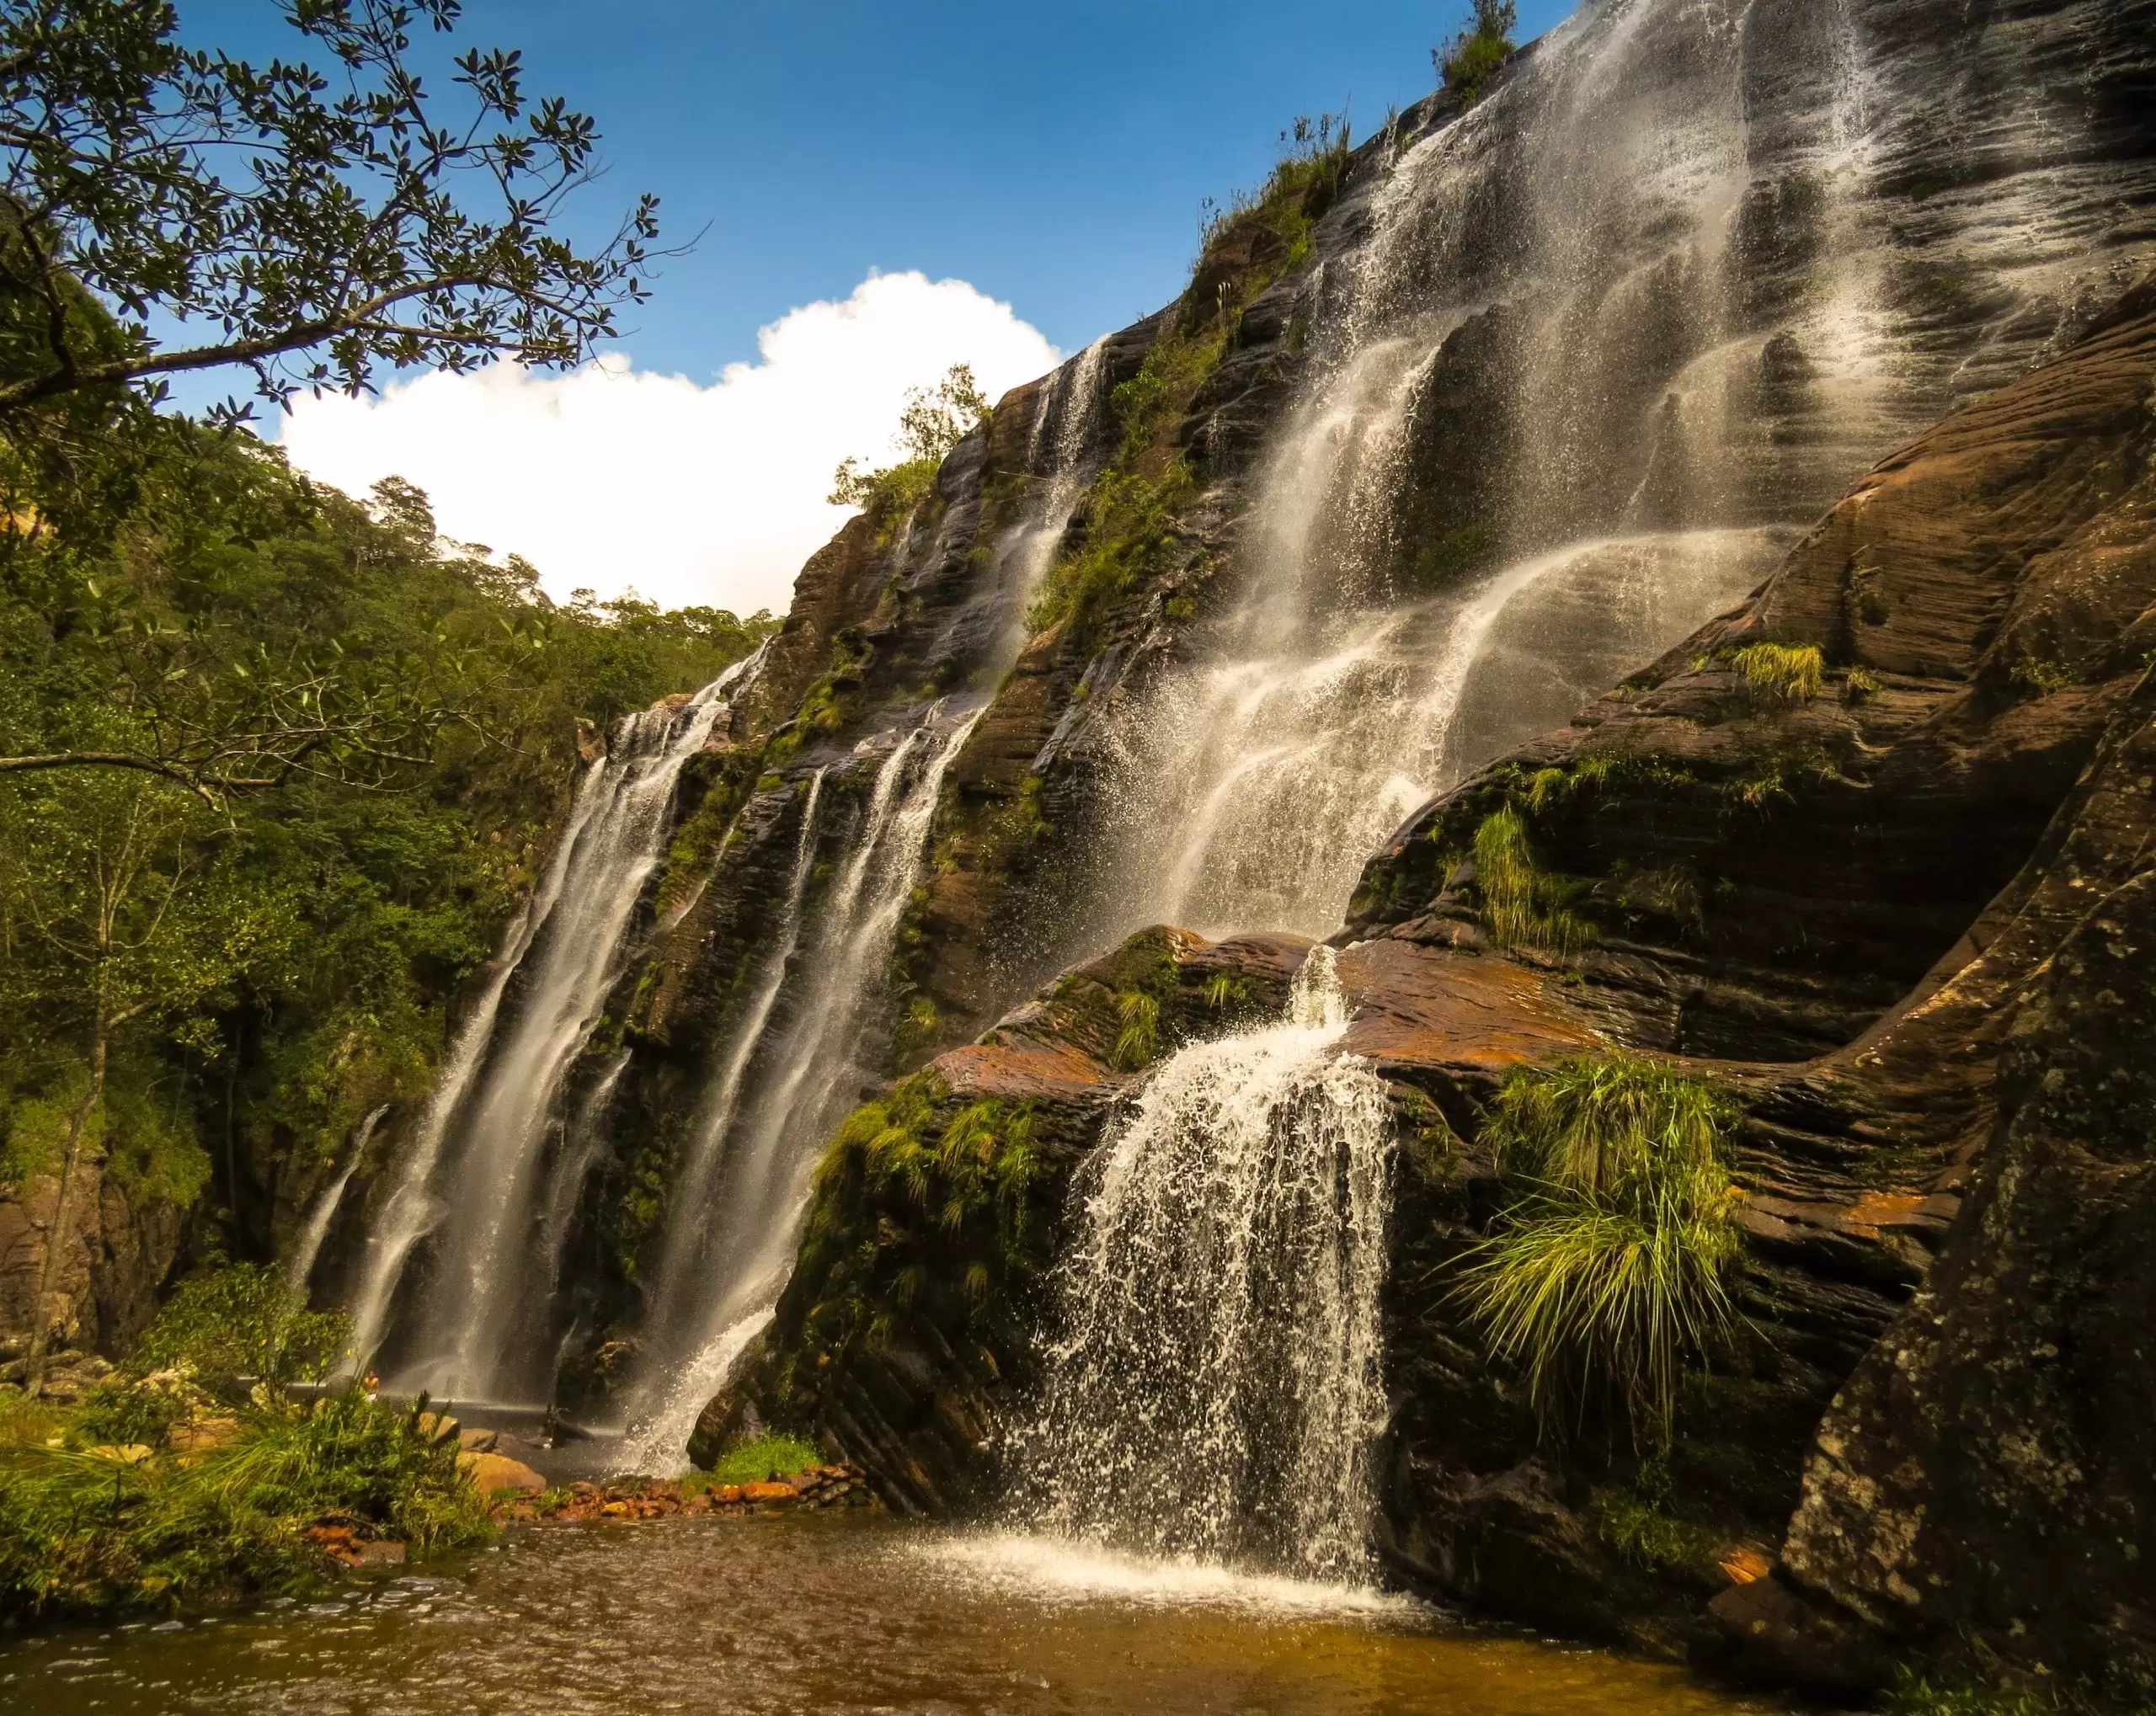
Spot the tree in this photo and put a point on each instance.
(116, 916)
(934, 421)
(311, 223)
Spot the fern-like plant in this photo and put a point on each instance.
(1140, 1016)
(1610, 1268)
(1524, 906)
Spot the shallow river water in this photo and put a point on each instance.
(830, 1614)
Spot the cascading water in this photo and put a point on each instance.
(734, 1239)
(1214, 1385)
(1661, 263)
(299, 1268)
(475, 1186)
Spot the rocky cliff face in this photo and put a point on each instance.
(1448, 435)
(1933, 1434)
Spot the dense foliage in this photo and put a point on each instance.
(309, 222)
(186, 1477)
(201, 976)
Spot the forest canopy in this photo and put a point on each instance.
(275, 762)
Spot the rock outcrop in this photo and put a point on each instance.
(1903, 914)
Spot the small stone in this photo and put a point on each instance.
(492, 1473)
(774, 1491)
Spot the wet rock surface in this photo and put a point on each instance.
(1920, 966)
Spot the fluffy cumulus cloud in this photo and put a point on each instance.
(610, 479)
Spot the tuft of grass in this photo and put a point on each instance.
(1525, 907)
(1637, 1528)
(1472, 56)
(1783, 673)
(1861, 686)
(1610, 1268)
(761, 1459)
(1140, 1016)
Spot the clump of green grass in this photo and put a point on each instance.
(1609, 1269)
(760, 1460)
(1639, 1530)
(1783, 673)
(1467, 60)
(1139, 1016)
(1525, 907)
(1861, 686)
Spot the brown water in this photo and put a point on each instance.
(828, 1615)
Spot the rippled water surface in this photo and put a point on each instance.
(828, 1614)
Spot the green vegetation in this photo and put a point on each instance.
(919, 1207)
(1525, 907)
(1470, 58)
(1608, 1268)
(1780, 673)
(1637, 1525)
(1131, 513)
(2044, 678)
(192, 1474)
(1861, 686)
(358, 225)
(934, 421)
(758, 1461)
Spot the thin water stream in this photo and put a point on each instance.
(830, 1615)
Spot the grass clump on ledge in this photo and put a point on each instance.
(1781, 672)
(1609, 1272)
(1525, 907)
(1468, 59)
(759, 1460)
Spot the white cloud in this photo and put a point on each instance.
(607, 479)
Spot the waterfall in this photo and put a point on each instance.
(1057, 457)
(1582, 364)
(1214, 1385)
(685, 1246)
(734, 1239)
(475, 1184)
(299, 1268)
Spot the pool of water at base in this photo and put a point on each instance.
(828, 1614)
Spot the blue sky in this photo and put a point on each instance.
(1054, 156)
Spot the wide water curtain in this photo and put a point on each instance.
(1580, 364)
(1214, 1385)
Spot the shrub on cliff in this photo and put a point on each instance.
(1470, 58)
(1609, 1270)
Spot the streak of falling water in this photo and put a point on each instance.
(1214, 1382)
(686, 1248)
(473, 1183)
(1057, 457)
(744, 1228)
(300, 1266)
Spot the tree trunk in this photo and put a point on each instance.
(56, 1239)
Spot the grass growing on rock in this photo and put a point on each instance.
(1525, 907)
(1608, 1271)
(759, 1460)
(1780, 673)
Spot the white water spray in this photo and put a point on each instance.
(1214, 1385)
(474, 1181)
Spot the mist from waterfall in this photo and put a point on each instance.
(1213, 1384)
(479, 1181)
